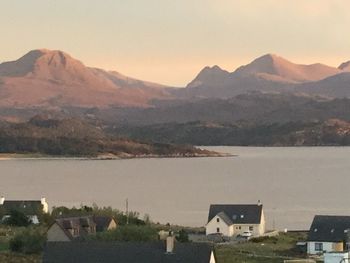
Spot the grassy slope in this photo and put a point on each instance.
(270, 250)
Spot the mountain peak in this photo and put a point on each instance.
(275, 68)
(209, 75)
(44, 63)
(53, 77)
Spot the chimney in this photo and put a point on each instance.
(2, 200)
(45, 205)
(259, 203)
(170, 243)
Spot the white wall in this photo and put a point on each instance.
(239, 229)
(327, 246)
(211, 227)
(212, 258)
(336, 257)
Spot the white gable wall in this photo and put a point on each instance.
(214, 225)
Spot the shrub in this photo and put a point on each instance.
(17, 218)
(264, 239)
(129, 233)
(183, 236)
(30, 241)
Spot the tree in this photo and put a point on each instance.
(183, 236)
(17, 218)
(129, 233)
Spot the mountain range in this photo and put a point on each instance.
(271, 73)
(270, 101)
(53, 79)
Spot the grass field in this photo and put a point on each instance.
(269, 250)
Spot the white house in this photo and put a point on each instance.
(328, 234)
(31, 208)
(234, 220)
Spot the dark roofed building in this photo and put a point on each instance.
(71, 228)
(236, 219)
(328, 234)
(127, 252)
(104, 223)
(31, 208)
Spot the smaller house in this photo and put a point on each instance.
(72, 228)
(31, 208)
(328, 234)
(128, 252)
(234, 220)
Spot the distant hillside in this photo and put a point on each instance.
(73, 137)
(268, 73)
(326, 133)
(52, 78)
(253, 107)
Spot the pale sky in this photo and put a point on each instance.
(170, 41)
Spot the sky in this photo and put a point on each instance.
(170, 41)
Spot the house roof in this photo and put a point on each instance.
(103, 222)
(237, 214)
(83, 224)
(28, 207)
(329, 228)
(225, 218)
(125, 252)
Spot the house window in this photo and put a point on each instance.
(318, 247)
(218, 220)
(239, 227)
(218, 230)
(251, 228)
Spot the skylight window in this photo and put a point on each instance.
(315, 230)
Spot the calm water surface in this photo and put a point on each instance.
(293, 183)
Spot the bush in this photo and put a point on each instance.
(129, 233)
(183, 236)
(30, 241)
(265, 239)
(17, 218)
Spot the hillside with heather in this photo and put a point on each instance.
(73, 137)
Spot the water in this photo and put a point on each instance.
(294, 184)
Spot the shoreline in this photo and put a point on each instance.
(104, 157)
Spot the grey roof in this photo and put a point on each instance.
(225, 218)
(28, 207)
(125, 252)
(329, 228)
(237, 214)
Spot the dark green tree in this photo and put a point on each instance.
(182, 236)
(17, 218)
